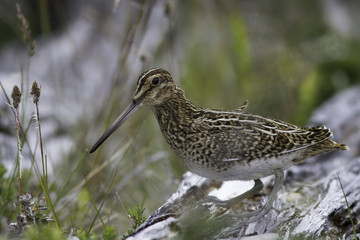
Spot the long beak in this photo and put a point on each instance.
(129, 110)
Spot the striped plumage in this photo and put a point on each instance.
(223, 145)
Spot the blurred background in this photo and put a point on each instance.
(285, 57)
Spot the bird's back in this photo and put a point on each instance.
(229, 145)
(247, 136)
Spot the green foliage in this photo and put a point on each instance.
(227, 64)
(48, 232)
(2, 173)
(323, 82)
(308, 97)
(83, 200)
(7, 195)
(239, 49)
(109, 233)
(85, 235)
(136, 217)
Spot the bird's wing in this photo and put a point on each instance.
(243, 136)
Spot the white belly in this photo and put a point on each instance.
(256, 169)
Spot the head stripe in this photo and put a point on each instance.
(147, 74)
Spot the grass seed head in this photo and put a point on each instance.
(16, 96)
(35, 92)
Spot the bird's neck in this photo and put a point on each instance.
(177, 110)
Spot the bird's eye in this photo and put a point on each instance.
(155, 81)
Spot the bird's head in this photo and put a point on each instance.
(154, 87)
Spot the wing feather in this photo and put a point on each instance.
(242, 136)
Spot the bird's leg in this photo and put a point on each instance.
(256, 215)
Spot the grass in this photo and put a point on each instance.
(36, 217)
(16, 96)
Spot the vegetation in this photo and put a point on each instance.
(285, 65)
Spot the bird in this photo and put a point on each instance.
(225, 145)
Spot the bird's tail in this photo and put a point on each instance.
(330, 144)
(327, 134)
(341, 146)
